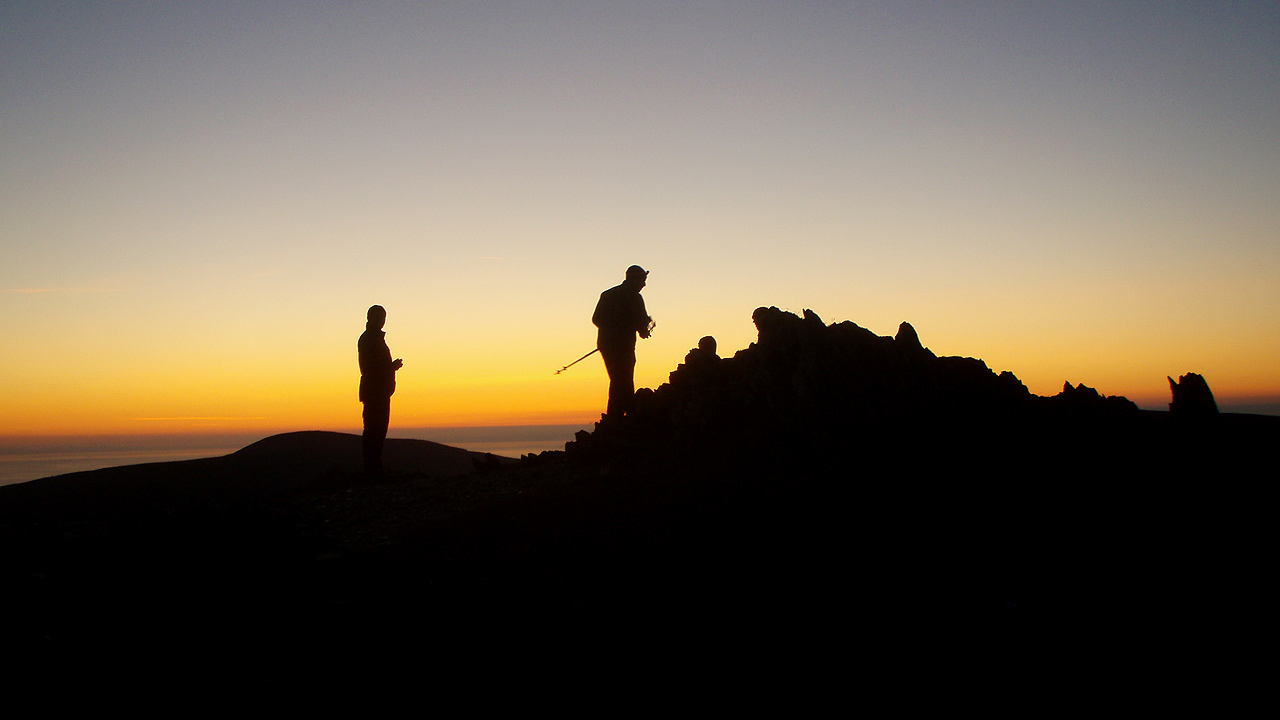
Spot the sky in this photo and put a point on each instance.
(199, 201)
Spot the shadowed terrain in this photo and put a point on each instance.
(823, 487)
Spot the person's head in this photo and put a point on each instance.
(707, 344)
(377, 316)
(636, 276)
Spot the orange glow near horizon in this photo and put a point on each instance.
(197, 205)
(521, 390)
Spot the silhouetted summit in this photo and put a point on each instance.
(1192, 397)
(805, 384)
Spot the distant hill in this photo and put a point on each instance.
(275, 465)
(310, 453)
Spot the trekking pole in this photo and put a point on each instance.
(575, 362)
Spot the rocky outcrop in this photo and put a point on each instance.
(1192, 397)
(806, 384)
(1084, 400)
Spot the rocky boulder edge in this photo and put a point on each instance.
(805, 384)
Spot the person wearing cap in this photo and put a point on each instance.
(377, 384)
(620, 317)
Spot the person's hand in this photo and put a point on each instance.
(397, 364)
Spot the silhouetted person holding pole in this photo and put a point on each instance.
(377, 384)
(620, 316)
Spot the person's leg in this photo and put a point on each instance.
(621, 365)
(377, 419)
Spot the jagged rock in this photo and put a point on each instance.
(907, 338)
(1082, 399)
(772, 326)
(1012, 385)
(1079, 395)
(1192, 397)
(812, 319)
(700, 366)
(805, 387)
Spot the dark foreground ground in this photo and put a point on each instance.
(278, 564)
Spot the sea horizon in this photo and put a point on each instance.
(23, 459)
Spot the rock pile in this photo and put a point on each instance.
(805, 384)
(1192, 397)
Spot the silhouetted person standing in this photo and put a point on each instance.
(377, 384)
(620, 316)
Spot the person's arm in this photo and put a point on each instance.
(642, 317)
(391, 365)
(369, 357)
(597, 317)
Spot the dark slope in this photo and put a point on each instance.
(333, 580)
(954, 487)
(825, 488)
(275, 465)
